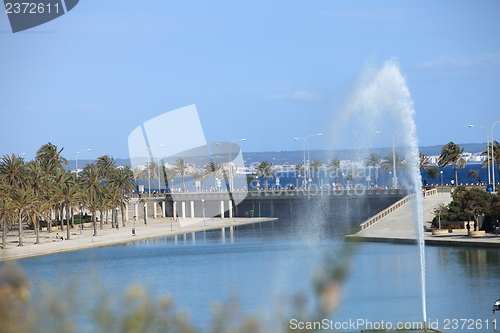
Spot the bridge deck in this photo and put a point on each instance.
(398, 227)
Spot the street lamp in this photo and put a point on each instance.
(203, 209)
(393, 155)
(78, 152)
(149, 170)
(306, 166)
(493, 153)
(487, 150)
(441, 172)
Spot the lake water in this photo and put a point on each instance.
(264, 263)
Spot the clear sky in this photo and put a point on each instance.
(267, 71)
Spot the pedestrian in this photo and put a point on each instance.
(468, 227)
(497, 228)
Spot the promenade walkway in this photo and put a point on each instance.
(158, 227)
(398, 227)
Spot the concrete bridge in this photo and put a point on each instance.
(356, 205)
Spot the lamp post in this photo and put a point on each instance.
(149, 169)
(306, 166)
(441, 172)
(493, 153)
(394, 181)
(487, 150)
(203, 209)
(78, 152)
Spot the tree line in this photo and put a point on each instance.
(36, 191)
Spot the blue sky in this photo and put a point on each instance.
(266, 71)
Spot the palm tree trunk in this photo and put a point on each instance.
(4, 234)
(61, 217)
(67, 222)
(107, 212)
(37, 231)
(94, 223)
(117, 226)
(72, 218)
(122, 206)
(102, 218)
(20, 227)
(101, 222)
(49, 222)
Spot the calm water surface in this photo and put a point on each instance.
(264, 263)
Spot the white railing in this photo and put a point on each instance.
(371, 221)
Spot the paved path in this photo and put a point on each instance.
(158, 227)
(398, 227)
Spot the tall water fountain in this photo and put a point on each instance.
(380, 112)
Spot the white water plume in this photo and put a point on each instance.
(380, 112)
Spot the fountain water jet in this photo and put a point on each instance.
(381, 101)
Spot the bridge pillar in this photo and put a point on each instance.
(174, 208)
(183, 210)
(192, 209)
(136, 210)
(222, 209)
(163, 204)
(154, 209)
(230, 209)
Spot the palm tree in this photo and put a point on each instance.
(334, 166)
(373, 160)
(212, 170)
(109, 198)
(105, 163)
(22, 199)
(13, 170)
(92, 179)
(388, 162)
(493, 154)
(316, 166)
(6, 213)
(50, 157)
(181, 167)
(39, 211)
(265, 169)
(451, 153)
(68, 193)
(13, 175)
(123, 181)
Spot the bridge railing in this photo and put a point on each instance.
(432, 191)
(371, 221)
